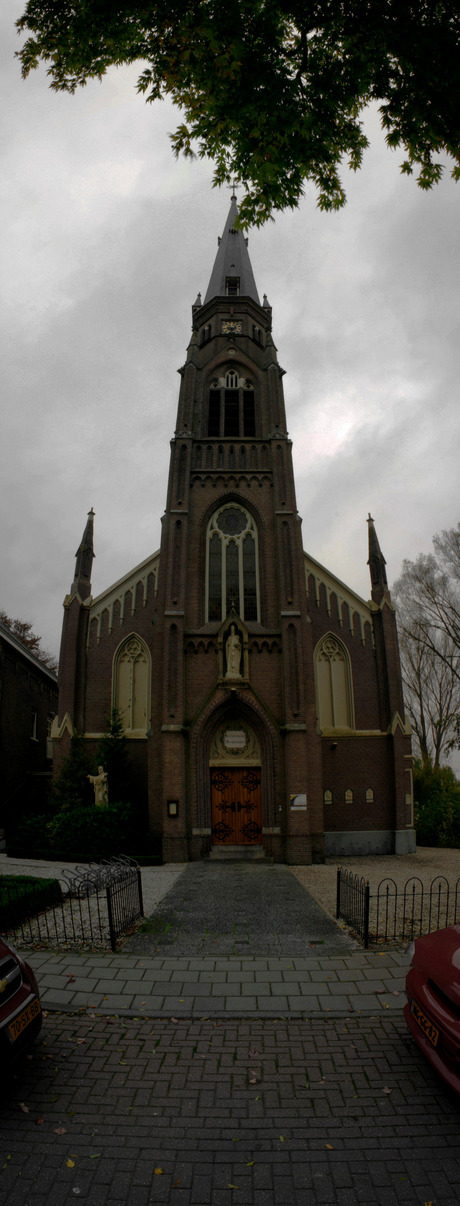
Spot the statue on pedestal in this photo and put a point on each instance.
(233, 654)
(100, 786)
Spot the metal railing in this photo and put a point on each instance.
(395, 913)
(100, 903)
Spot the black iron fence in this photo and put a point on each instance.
(396, 913)
(97, 906)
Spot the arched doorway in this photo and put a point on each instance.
(236, 786)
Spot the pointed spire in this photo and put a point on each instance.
(376, 565)
(84, 560)
(232, 272)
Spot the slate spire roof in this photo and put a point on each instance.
(376, 563)
(84, 560)
(232, 262)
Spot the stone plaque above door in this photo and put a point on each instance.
(234, 742)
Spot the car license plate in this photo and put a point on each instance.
(23, 1019)
(431, 1031)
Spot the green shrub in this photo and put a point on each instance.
(94, 833)
(29, 837)
(71, 788)
(23, 896)
(437, 805)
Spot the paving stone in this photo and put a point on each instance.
(338, 1002)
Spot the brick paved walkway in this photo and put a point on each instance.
(207, 1113)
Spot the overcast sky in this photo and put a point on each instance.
(106, 240)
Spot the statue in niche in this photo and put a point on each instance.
(100, 786)
(233, 654)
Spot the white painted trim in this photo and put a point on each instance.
(58, 730)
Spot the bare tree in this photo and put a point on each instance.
(432, 583)
(427, 597)
(432, 696)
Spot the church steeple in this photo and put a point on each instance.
(232, 273)
(84, 560)
(377, 565)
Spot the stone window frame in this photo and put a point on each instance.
(49, 739)
(133, 637)
(224, 423)
(341, 648)
(225, 539)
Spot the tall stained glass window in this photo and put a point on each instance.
(232, 564)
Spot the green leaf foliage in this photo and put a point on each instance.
(437, 805)
(71, 788)
(85, 834)
(28, 836)
(272, 91)
(23, 896)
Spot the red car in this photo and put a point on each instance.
(432, 1012)
(20, 1010)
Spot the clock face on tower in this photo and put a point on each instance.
(232, 327)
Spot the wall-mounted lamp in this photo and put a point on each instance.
(173, 808)
(334, 745)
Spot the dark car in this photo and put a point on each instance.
(433, 1001)
(20, 1011)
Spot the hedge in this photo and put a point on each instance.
(23, 896)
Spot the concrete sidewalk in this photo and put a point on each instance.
(308, 986)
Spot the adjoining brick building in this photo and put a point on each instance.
(28, 705)
(261, 697)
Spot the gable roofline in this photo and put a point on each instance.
(11, 639)
(342, 587)
(116, 586)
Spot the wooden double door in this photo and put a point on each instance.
(236, 806)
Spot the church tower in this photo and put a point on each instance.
(234, 756)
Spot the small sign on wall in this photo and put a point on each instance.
(298, 803)
(234, 739)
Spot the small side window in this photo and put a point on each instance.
(232, 286)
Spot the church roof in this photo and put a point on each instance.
(376, 563)
(8, 636)
(232, 261)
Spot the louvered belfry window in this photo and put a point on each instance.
(231, 408)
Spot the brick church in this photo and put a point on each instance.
(260, 696)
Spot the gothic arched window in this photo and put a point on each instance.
(334, 689)
(232, 577)
(231, 410)
(131, 685)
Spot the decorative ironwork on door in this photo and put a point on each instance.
(236, 806)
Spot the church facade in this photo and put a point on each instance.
(260, 696)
